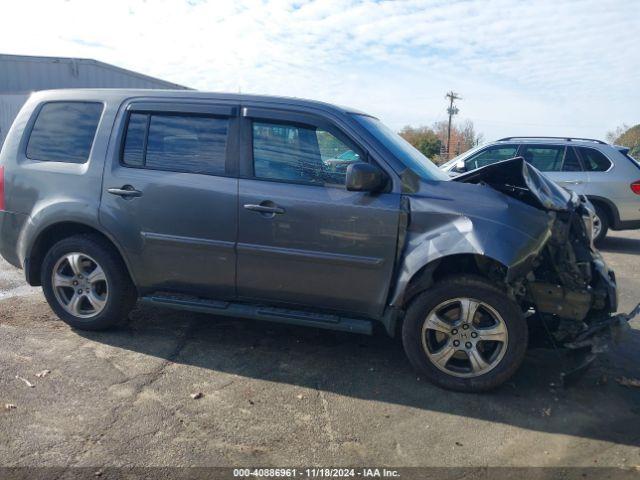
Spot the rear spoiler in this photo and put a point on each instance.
(621, 149)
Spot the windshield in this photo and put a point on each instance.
(403, 150)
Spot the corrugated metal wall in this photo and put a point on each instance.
(21, 75)
(10, 105)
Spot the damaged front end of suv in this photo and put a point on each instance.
(569, 285)
(525, 233)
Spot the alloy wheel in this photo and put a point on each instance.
(464, 337)
(80, 285)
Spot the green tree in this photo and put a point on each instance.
(423, 138)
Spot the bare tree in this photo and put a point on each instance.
(463, 137)
(613, 135)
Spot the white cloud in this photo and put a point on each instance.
(544, 67)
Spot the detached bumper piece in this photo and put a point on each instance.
(600, 335)
(596, 339)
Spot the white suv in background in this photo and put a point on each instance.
(605, 173)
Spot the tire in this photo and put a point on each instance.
(424, 345)
(603, 217)
(80, 295)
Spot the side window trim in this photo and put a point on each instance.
(577, 155)
(183, 108)
(229, 112)
(300, 119)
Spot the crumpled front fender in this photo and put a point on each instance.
(491, 225)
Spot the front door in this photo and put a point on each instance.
(303, 239)
(170, 197)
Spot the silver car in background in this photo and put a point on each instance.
(606, 174)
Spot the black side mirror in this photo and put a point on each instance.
(364, 177)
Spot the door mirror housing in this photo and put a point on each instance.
(364, 177)
(460, 166)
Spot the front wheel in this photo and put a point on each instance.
(465, 334)
(86, 283)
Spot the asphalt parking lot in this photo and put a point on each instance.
(287, 396)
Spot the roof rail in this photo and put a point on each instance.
(568, 139)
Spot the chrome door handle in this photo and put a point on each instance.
(127, 191)
(572, 182)
(264, 208)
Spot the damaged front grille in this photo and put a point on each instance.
(571, 289)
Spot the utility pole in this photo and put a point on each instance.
(452, 110)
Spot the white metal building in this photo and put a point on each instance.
(20, 75)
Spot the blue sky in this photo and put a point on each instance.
(522, 67)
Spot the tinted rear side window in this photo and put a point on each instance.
(64, 132)
(544, 158)
(594, 161)
(181, 143)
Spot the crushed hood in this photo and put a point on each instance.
(521, 180)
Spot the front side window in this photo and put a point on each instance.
(594, 161)
(176, 142)
(544, 158)
(296, 153)
(64, 132)
(491, 155)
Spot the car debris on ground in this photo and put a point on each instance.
(43, 373)
(197, 395)
(628, 382)
(26, 382)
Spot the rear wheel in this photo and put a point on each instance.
(86, 284)
(464, 334)
(600, 224)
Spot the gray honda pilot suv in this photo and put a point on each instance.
(300, 212)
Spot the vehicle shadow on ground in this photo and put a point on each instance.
(375, 368)
(620, 245)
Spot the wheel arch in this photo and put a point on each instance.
(432, 271)
(50, 234)
(441, 267)
(609, 207)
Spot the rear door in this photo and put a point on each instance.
(170, 195)
(303, 239)
(603, 182)
(558, 162)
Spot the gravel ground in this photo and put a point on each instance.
(282, 395)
